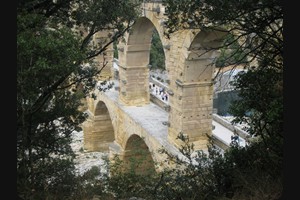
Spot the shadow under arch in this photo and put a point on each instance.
(202, 54)
(101, 132)
(137, 156)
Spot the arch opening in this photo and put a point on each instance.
(137, 156)
(99, 132)
(137, 56)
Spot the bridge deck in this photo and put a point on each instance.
(152, 116)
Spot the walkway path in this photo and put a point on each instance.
(220, 131)
(224, 134)
(152, 118)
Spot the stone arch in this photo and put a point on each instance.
(138, 156)
(199, 64)
(134, 58)
(192, 104)
(99, 130)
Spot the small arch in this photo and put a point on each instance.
(138, 157)
(103, 132)
(101, 109)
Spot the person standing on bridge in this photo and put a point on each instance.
(235, 137)
(166, 96)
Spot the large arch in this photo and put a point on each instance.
(134, 57)
(191, 85)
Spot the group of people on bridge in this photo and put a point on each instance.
(159, 92)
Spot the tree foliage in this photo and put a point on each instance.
(157, 54)
(257, 25)
(238, 173)
(55, 71)
(230, 53)
(55, 59)
(255, 28)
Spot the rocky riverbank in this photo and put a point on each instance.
(86, 160)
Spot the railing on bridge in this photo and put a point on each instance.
(157, 90)
(218, 136)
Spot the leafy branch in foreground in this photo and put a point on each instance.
(56, 69)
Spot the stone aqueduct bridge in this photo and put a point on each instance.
(123, 117)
